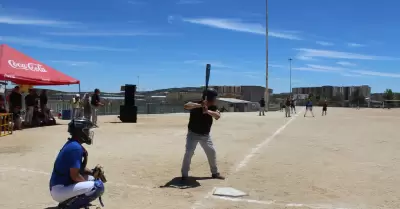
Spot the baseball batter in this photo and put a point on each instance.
(199, 127)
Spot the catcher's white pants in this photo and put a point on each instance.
(192, 139)
(60, 193)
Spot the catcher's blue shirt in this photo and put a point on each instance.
(70, 156)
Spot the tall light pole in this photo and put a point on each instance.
(137, 85)
(266, 60)
(290, 76)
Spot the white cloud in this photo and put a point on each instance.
(54, 45)
(326, 68)
(339, 55)
(308, 69)
(350, 75)
(284, 35)
(304, 58)
(18, 20)
(323, 43)
(240, 26)
(375, 73)
(103, 33)
(346, 64)
(355, 45)
(189, 2)
(320, 68)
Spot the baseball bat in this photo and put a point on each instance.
(208, 71)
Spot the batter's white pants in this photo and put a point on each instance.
(192, 139)
(60, 193)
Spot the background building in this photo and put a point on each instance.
(329, 92)
(247, 93)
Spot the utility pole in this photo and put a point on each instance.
(266, 60)
(137, 85)
(290, 75)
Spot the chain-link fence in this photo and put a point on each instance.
(112, 107)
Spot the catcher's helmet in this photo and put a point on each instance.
(79, 128)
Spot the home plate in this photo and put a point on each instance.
(228, 192)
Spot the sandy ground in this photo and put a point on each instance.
(348, 159)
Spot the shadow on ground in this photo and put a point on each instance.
(190, 182)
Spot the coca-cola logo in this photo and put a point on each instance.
(27, 66)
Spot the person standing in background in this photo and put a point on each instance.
(324, 108)
(15, 105)
(309, 106)
(30, 102)
(87, 109)
(293, 106)
(262, 106)
(43, 103)
(287, 107)
(77, 106)
(72, 102)
(95, 103)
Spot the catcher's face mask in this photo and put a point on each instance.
(81, 129)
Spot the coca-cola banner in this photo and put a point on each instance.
(27, 66)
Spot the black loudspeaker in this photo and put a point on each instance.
(130, 91)
(128, 114)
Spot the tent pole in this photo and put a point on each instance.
(79, 88)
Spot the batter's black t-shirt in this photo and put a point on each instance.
(199, 122)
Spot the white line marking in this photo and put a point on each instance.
(247, 158)
(2, 169)
(273, 202)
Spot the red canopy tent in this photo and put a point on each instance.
(21, 69)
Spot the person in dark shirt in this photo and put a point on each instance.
(293, 106)
(15, 100)
(95, 103)
(262, 107)
(2, 105)
(201, 119)
(15, 105)
(287, 107)
(30, 102)
(324, 108)
(43, 100)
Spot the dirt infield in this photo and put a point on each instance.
(348, 159)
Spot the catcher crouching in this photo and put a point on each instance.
(72, 184)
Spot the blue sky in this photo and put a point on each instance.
(106, 43)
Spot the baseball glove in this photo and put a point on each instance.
(98, 173)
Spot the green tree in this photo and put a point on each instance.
(388, 95)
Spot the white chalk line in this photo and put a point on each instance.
(26, 170)
(275, 203)
(248, 157)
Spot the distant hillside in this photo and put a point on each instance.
(165, 91)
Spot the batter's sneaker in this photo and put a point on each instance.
(217, 176)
